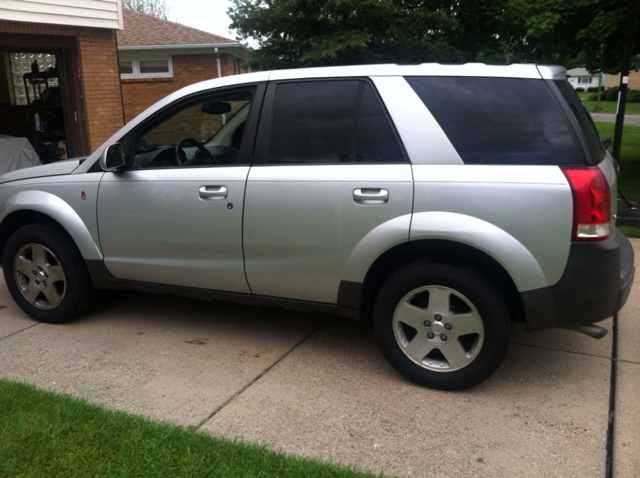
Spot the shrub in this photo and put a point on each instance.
(592, 89)
(633, 96)
(612, 94)
(579, 89)
(595, 97)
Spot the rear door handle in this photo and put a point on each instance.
(212, 193)
(370, 196)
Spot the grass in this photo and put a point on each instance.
(629, 181)
(608, 106)
(631, 231)
(611, 107)
(43, 434)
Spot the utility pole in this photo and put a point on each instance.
(624, 78)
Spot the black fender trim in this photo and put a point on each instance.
(100, 275)
(350, 294)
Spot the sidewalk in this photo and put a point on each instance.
(317, 386)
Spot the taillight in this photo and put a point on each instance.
(591, 203)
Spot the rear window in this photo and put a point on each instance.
(584, 120)
(500, 120)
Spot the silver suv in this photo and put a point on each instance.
(438, 202)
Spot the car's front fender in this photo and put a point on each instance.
(58, 210)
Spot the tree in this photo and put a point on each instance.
(155, 8)
(299, 33)
(588, 33)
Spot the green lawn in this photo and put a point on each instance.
(611, 106)
(631, 231)
(43, 434)
(608, 106)
(629, 181)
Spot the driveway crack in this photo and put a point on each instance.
(612, 399)
(259, 376)
(19, 331)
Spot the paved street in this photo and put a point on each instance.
(611, 118)
(317, 386)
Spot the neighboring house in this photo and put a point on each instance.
(75, 88)
(581, 78)
(158, 57)
(634, 76)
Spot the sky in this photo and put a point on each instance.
(207, 15)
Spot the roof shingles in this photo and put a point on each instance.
(142, 29)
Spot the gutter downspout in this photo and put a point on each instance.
(124, 116)
(218, 62)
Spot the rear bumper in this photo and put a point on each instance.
(595, 285)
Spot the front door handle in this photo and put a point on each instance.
(370, 196)
(212, 193)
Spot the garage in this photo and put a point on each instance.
(37, 105)
(60, 94)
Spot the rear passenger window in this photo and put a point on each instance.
(376, 142)
(330, 122)
(500, 120)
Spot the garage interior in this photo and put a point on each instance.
(38, 104)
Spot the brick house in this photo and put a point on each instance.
(59, 71)
(634, 76)
(70, 76)
(158, 57)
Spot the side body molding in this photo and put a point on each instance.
(522, 266)
(60, 211)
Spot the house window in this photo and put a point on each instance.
(146, 68)
(584, 79)
(126, 67)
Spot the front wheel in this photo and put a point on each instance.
(441, 326)
(45, 274)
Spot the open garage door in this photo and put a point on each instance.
(40, 95)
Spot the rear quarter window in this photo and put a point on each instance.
(584, 119)
(500, 120)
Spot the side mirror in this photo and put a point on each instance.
(113, 158)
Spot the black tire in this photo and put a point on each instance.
(441, 326)
(40, 259)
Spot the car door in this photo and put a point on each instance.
(328, 170)
(174, 216)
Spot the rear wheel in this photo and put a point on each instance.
(441, 326)
(45, 274)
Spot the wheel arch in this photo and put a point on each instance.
(439, 251)
(30, 207)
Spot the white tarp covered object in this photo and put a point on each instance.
(16, 153)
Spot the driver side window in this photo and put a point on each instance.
(204, 132)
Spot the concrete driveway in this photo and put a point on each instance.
(317, 386)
